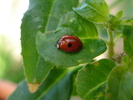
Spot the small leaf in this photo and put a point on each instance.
(128, 40)
(127, 21)
(94, 10)
(119, 14)
(42, 15)
(91, 79)
(57, 86)
(73, 24)
(115, 24)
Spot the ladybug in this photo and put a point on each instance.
(69, 43)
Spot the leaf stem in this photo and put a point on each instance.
(110, 43)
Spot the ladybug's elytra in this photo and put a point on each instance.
(69, 43)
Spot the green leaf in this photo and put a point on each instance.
(113, 83)
(42, 15)
(120, 81)
(115, 24)
(126, 87)
(119, 14)
(128, 40)
(57, 86)
(94, 10)
(91, 79)
(97, 93)
(120, 84)
(127, 21)
(71, 24)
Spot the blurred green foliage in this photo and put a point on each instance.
(10, 69)
(125, 5)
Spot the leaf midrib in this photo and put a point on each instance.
(44, 32)
(53, 84)
(49, 15)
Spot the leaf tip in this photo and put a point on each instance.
(33, 87)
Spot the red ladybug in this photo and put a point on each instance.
(69, 43)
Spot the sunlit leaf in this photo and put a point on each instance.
(119, 14)
(94, 10)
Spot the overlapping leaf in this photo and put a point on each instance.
(91, 79)
(42, 15)
(120, 84)
(128, 40)
(94, 10)
(71, 24)
(51, 88)
(120, 81)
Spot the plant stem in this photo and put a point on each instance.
(110, 44)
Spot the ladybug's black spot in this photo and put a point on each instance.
(69, 45)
